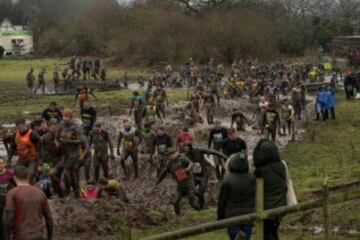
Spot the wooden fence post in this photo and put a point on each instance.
(259, 208)
(326, 209)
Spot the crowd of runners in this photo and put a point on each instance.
(53, 150)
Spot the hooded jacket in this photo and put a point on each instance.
(237, 191)
(270, 168)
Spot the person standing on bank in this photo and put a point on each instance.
(271, 169)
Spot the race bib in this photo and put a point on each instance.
(218, 137)
(128, 144)
(161, 148)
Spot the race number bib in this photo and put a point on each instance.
(128, 144)
(161, 148)
(218, 137)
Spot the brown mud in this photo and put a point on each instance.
(149, 207)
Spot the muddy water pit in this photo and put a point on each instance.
(148, 206)
(140, 191)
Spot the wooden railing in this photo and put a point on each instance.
(324, 201)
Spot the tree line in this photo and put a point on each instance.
(152, 31)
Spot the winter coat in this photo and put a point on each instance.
(270, 168)
(237, 191)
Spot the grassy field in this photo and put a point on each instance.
(15, 100)
(333, 153)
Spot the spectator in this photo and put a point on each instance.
(237, 195)
(270, 168)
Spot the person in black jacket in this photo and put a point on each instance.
(162, 142)
(237, 195)
(216, 137)
(52, 112)
(270, 168)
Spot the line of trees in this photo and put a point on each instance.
(150, 31)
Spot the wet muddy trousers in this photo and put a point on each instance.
(138, 117)
(209, 115)
(103, 162)
(71, 177)
(287, 124)
(134, 156)
(218, 169)
(190, 193)
(202, 183)
(270, 132)
(86, 163)
(56, 181)
(160, 108)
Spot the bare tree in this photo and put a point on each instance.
(348, 9)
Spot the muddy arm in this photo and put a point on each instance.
(211, 152)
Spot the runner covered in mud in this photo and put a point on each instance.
(146, 140)
(137, 105)
(52, 156)
(180, 167)
(209, 105)
(271, 122)
(70, 139)
(82, 93)
(296, 98)
(150, 112)
(263, 107)
(30, 79)
(8, 140)
(217, 137)
(195, 99)
(234, 144)
(160, 98)
(100, 141)
(111, 188)
(28, 148)
(240, 120)
(88, 116)
(200, 168)
(41, 81)
(52, 112)
(128, 139)
(184, 136)
(84, 161)
(162, 141)
(56, 79)
(287, 114)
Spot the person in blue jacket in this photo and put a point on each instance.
(326, 98)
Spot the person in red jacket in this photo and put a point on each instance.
(184, 136)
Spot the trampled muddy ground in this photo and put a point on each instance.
(148, 207)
